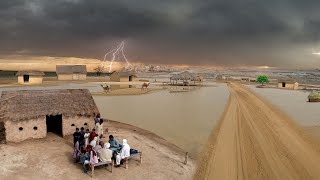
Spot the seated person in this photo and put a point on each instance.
(84, 157)
(97, 148)
(124, 152)
(92, 160)
(114, 145)
(93, 143)
(105, 154)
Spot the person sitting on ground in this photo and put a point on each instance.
(105, 154)
(93, 134)
(76, 152)
(99, 128)
(97, 118)
(76, 136)
(124, 152)
(93, 143)
(86, 137)
(114, 145)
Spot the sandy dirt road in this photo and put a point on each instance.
(254, 140)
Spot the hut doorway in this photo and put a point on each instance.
(2, 133)
(26, 78)
(283, 84)
(130, 78)
(54, 124)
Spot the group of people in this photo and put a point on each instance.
(89, 148)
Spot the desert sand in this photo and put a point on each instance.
(254, 140)
(51, 158)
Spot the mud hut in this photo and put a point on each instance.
(30, 77)
(31, 114)
(185, 78)
(314, 96)
(123, 77)
(288, 84)
(71, 72)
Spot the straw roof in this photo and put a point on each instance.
(30, 73)
(31, 104)
(70, 69)
(292, 81)
(314, 95)
(185, 76)
(123, 74)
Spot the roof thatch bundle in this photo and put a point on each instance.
(315, 95)
(30, 73)
(290, 81)
(124, 74)
(31, 104)
(71, 69)
(185, 76)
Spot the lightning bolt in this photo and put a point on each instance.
(116, 55)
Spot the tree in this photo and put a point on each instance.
(262, 79)
(99, 69)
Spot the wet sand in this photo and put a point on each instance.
(51, 158)
(254, 140)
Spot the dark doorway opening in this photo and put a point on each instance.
(26, 78)
(283, 84)
(54, 124)
(130, 78)
(2, 133)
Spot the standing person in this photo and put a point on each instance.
(86, 137)
(97, 118)
(99, 128)
(124, 152)
(81, 134)
(93, 134)
(76, 136)
(76, 152)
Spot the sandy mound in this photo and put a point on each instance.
(51, 158)
(256, 141)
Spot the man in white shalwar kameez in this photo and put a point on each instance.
(124, 153)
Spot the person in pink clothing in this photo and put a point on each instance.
(93, 158)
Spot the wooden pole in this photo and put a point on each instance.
(140, 157)
(186, 158)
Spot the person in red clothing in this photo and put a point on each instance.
(92, 135)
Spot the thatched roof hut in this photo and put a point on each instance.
(30, 77)
(71, 72)
(186, 77)
(314, 96)
(32, 113)
(31, 104)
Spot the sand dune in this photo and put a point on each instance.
(256, 141)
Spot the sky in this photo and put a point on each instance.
(277, 33)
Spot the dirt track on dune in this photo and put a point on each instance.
(254, 140)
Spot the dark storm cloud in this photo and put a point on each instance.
(252, 32)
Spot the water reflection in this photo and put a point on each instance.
(186, 119)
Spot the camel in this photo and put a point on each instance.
(145, 85)
(106, 88)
